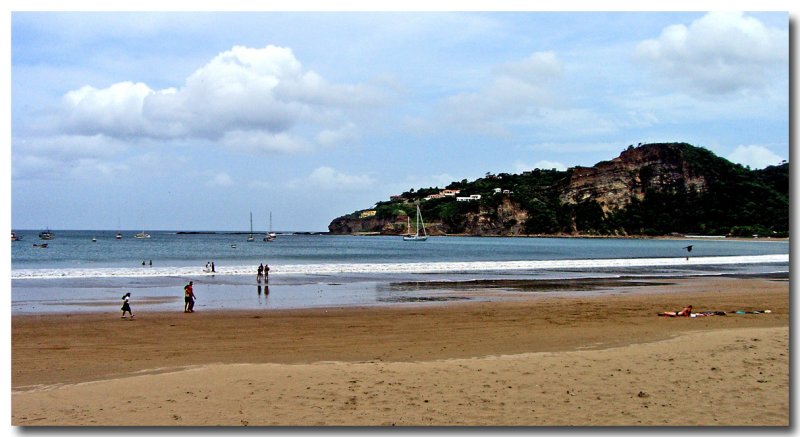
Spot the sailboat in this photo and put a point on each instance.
(250, 237)
(420, 225)
(142, 235)
(270, 235)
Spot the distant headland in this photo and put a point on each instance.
(659, 189)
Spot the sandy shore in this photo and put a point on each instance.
(547, 360)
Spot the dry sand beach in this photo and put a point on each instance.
(548, 359)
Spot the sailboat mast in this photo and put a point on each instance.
(419, 221)
(250, 237)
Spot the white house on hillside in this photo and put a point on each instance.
(469, 199)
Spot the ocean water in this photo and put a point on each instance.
(74, 274)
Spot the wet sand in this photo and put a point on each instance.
(548, 359)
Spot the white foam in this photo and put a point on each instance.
(393, 268)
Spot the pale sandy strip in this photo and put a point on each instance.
(722, 377)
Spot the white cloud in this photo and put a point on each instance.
(537, 68)
(574, 147)
(259, 141)
(328, 178)
(720, 53)
(343, 134)
(754, 156)
(220, 180)
(265, 92)
(520, 166)
(65, 157)
(67, 147)
(519, 92)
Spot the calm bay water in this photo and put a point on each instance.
(75, 274)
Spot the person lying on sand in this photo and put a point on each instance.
(685, 312)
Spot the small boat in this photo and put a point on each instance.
(42, 246)
(47, 235)
(420, 225)
(118, 236)
(250, 237)
(15, 237)
(141, 235)
(94, 240)
(233, 246)
(270, 235)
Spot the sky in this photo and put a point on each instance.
(193, 120)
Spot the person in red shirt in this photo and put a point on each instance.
(188, 298)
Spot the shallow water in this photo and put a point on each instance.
(75, 275)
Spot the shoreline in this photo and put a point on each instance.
(578, 236)
(153, 296)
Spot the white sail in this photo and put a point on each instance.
(420, 226)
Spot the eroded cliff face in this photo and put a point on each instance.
(614, 183)
(508, 219)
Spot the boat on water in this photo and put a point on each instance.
(118, 236)
(94, 239)
(142, 235)
(41, 246)
(270, 235)
(47, 235)
(420, 227)
(250, 237)
(15, 237)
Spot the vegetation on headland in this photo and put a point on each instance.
(649, 190)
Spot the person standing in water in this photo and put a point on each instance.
(126, 305)
(188, 298)
(266, 273)
(260, 272)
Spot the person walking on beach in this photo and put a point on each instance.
(126, 305)
(188, 298)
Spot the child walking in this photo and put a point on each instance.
(126, 305)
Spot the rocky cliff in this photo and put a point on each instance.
(612, 184)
